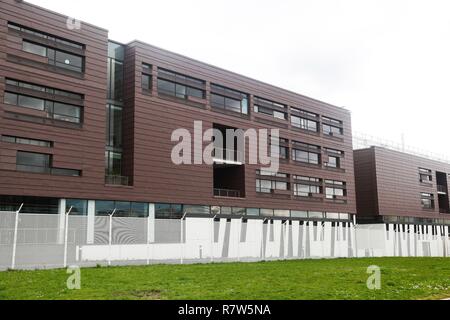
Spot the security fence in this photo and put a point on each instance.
(29, 241)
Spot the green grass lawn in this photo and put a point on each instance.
(402, 278)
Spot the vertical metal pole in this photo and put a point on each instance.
(16, 224)
(212, 238)
(182, 238)
(148, 239)
(66, 232)
(110, 235)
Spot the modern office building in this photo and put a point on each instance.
(86, 122)
(395, 187)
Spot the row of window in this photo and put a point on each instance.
(41, 163)
(53, 109)
(27, 141)
(43, 89)
(302, 186)
(182, 86)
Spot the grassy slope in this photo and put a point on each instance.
(402, 278)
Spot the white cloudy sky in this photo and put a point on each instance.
(386, 61)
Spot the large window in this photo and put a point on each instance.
(304, 124)
(283, 147)
(168, 211)
(180, 86)
(307, 186)
(115, 71)
(264, 185)
(79, 207)
(427, 200)
(426, 175)
(276, 110)
(52, 49)
(41, 163)
(55, 57)
(228, 99)
(334, 158)
(55, 110)
(332, 127)
(27, 141)
(33, 162)
(305, 190)
(121, 209)
(306, 153)
(113, 126)
(146, 77)
(335, 189)
(113, 163)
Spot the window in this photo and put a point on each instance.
(79, 207)
(267, 186)
(113, 163)
(55, 57)
(121, 209)
(168, 211)
(282, 146)
(305, 190)
(113, 126)
(332, 127)
(335, 189)
(33, 162)
(276, 110)
(146, 82)
(48, 37)
(42, 89)
(32, 142)
(146, 77)
(41, 163)
(333, 162)
(180, 86)
(311, 157)
(426, 175)
(55, 110)
(427, 200)
(228, 99)
(304, 123)
(271, 174)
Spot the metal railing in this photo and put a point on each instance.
(227, 193)
(362, 141)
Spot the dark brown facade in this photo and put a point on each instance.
(395, 184)
(149, 116)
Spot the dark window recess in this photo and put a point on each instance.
(27, 141)
(180, 86)
(276, 110)
(55, 57)
(54, 110)
(229, 99)
(41, 163)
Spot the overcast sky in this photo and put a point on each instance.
(386, 61)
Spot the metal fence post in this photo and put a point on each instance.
(66, 232)
(212, 237)
(148, 239)
(182, 238)
(110, 235)
(16, 224)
